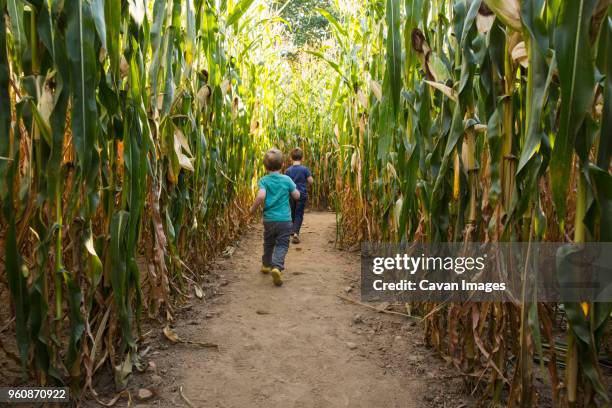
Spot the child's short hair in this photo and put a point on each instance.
(273, 160)
(297, 154)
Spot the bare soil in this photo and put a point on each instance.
(299, 345)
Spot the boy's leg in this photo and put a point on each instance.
(283, 233)
(293, 205)
(299, 214)
(269, 237)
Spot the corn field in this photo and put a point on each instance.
(132, 132)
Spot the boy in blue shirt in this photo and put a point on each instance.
(274, 191)
(302, 177)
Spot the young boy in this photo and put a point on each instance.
(274, 190)
(302, 177)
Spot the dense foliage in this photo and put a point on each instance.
(305, 24)
(130, 136)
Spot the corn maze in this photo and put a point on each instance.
(132, 134)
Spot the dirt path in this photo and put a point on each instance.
(298, 345)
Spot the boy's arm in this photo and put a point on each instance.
(310, 180)
(260, 199)
(293, 191)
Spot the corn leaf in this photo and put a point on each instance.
(238, 11)
(15, 12)
(577, 77)
(82, 58)
(539, 77)
(394, 53)
(604, 62)
(332, 20)
(8, 165)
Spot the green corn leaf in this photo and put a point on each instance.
(190, 38)
(80, 36)
(470, 18)
(157, 47)
(118, 269)
(57, 121)
(387, 124)
(112, 15)
(604, 63)
(97, 10)
(413, 16)
(577, 78)
(15, 12)
(539, 76)
(332, 20)
(394, 52)
(173, 32)
(238, 11)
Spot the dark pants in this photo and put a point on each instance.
(297, 212)
(276, 243)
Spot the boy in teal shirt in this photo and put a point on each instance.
(274, 191)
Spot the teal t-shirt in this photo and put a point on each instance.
(278, 188)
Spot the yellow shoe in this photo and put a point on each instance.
(277, 276)
(265, 269)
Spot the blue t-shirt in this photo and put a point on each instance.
(299, 174)
(278, 188)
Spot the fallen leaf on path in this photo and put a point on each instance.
(171, 334)
(229, 251)
(198, 291)
(351, 345)
(174, 338)
(262, 312)
(144, 394)
(123, 371)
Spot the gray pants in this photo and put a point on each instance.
(276, 243)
